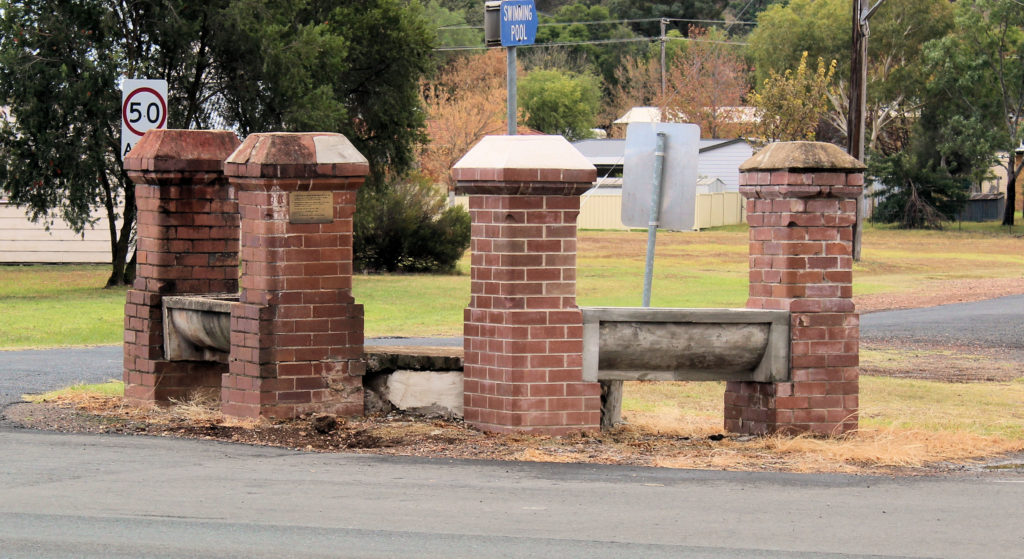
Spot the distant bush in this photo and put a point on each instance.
(916, 195)
(406, 226)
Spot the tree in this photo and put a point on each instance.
(60, 63)
(464, 103)
(261, 65)
(821, 28)
(304, 65)
(654, 10)
(705, 79)
(706, 82)
(577, 24)
(975, 105)
(560, 102)
(785, 31)
(916, 193)
(452, 27)
(745, 10)
(789, 106)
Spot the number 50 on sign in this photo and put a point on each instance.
(143, 107)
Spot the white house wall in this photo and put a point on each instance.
(724, 163)
(24, 242)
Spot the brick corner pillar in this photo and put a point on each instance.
(801, 208)
(297, 333)
(187, 243)
(523, 333)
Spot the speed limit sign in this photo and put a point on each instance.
(143, 106)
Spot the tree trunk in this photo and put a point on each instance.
(122, 270)
(1011, 188)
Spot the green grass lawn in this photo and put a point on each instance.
(57, 305)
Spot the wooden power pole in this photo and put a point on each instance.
(858, 101)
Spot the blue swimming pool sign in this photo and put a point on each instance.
(518, 22)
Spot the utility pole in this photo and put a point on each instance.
(664, 22)
(858, 101)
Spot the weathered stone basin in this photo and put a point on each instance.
(685, 344)
(198, 327)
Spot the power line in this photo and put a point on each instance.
(481, 47)
(592, 42)
(706, 41)
(612, 21)
(555, 23)
(712, 21)
(598, 42)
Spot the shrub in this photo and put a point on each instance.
(405, 226)
(916, 195)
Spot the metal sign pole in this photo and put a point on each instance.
(512, 101)
(655, 217)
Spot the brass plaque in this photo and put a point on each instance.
(310, 207)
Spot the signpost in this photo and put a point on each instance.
(143, 107)
(659, 182)
(518, 26)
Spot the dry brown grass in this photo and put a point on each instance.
(911, 425)
(650, 439)
(908, 427)
(200, 406)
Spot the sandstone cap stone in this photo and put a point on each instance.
(534, 158)
(817, 156)
(296, 155)
(181, 150)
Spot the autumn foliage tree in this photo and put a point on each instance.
(704, 80)
(464, 103)
(790, 106)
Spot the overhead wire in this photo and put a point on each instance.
(596, 42)
(611, 22)
(601, 41)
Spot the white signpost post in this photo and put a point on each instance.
(143, 107)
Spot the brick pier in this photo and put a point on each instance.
(523, 331)
(187, 243)
(801, 202)
(297, 334)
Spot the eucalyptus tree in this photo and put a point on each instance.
(253, 65)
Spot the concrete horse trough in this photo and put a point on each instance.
(619, 344)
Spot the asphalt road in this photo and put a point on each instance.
(996, 323)
(108, 496)
(36, 371)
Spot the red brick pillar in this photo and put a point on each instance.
(187, 243)
(523, 331)
(297, 334)
(801, 203)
